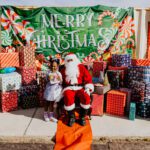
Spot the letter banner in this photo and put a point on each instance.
(93, 33)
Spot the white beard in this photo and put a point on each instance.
(72, 72)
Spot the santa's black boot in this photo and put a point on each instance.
(83, 113)
(71, 118)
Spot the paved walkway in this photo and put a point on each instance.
(30, 122)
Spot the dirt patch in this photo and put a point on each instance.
(100, 143)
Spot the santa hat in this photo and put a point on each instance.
(71, 56)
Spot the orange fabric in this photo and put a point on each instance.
(73, 138)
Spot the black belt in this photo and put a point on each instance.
(73, 85)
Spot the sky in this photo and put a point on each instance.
(76, 3)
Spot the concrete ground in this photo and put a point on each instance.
(28, 125)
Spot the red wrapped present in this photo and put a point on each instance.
(141, 62)
(97, 104)
(9, 59)
(9, 101)
(116, 101)
(28, 75)
(26, 56)
(98, 66)
(89, 66)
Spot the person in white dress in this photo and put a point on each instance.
(52, 93)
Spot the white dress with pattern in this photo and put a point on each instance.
(53, 88)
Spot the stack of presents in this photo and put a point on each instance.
(24, 86)
(121, 87)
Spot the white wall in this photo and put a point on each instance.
(142, 17)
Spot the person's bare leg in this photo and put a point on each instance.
(46, 106)
(51, 112)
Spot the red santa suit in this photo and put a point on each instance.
(80, 87)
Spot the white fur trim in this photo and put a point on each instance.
(73, 57)
(90, 86)
(85, 106)
(74, 88)
(68, 108)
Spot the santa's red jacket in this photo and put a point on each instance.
(84, 79)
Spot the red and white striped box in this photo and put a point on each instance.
(97, 104)
(9, 59)
(141, 62)
(98, 66)
(26, 56)
(115, 104)
(28, 75)
(9, 101)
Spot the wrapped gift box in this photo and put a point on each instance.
(101, 89)
(141, 62)
(9, 59)
(123, 73)
(97, 104)
(132, 111)
(115, 104)
(138, 91)
(115, 78)
(26, 56)
(28, 90)
(147, 90)
(143, 108)
(119, 60)
(28, 75)
(10, 81)
(41, 79)
(89, 66)
(128, 98)
(98, 66)
(139, 73)
(28, 96)
(9, 101)
(30, 101)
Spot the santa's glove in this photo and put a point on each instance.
(87, 90)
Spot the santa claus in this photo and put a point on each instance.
(77, 82)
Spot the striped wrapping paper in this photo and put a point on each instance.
(139, 73)
(119, 60)
(9, 59)
(26, 56)
(141, 62)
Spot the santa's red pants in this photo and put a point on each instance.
(69, 98)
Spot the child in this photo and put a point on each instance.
(53, 90)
